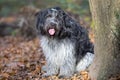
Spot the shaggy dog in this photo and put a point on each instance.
(64, 42)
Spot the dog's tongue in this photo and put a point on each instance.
(51, 31)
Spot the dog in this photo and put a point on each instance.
(65, 44)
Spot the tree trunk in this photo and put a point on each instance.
(106, 18)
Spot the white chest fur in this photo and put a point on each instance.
(57, 52)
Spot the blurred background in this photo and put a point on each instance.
(8, 7)
(17, 16)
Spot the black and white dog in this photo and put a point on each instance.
(64, 42)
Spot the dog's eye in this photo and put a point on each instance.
(49, 16)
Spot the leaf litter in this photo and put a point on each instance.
(21, 59)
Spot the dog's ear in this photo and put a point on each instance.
(39, 19)
(67, 20)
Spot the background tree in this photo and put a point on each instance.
(106, 18)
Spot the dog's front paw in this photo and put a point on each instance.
(44, 68)
(47, 74)
(65, 76)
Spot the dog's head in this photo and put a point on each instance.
(53, 22)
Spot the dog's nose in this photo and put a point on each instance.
(52, 24)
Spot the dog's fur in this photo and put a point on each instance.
(69, 50)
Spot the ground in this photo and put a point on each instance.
(22, 59)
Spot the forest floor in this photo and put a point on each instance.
(21, 59)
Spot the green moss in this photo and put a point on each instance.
(117, 16)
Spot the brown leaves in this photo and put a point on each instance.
(6, 75)
(85, 75)
(22, 60)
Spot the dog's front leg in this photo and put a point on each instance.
(67, 70)
(51, 69)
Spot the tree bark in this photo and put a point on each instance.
(106, 19)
